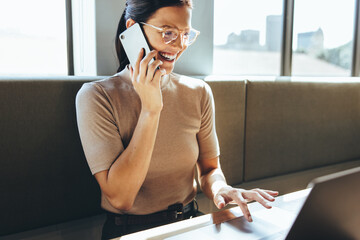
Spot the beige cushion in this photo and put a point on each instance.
(229, 107)
(294, 126)
(45, 177)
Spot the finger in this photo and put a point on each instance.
(253, 195)
(145, 63)
(264, 194)
(272, 193)
(131, 71)
(157, 77)
(137, 64)
(244, 208)
(152, 70)
(132, 75)
(219, 201)
(241, 202)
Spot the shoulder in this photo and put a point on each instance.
(117, 82)
(199, 86)
(88, 90)
(191, 83)
(104, 88)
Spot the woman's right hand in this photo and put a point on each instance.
(146, 80)
(122, 182)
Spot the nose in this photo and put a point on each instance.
(179, 41)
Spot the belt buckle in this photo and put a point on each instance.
(176, 211)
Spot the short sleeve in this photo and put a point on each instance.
(207, 138)
(98, 130)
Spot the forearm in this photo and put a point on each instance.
(128, 172)
(212, 181)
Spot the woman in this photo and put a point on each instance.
(145, 129)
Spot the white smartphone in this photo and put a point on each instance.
(133, 40)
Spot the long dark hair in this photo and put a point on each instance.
(140, 11)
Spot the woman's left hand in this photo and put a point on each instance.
(241, 197)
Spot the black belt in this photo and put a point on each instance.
(174, 213)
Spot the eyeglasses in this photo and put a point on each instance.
(171, 34)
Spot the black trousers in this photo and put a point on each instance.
(111, 229)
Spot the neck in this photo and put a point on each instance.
(164, 80)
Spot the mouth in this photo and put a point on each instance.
(167, 56)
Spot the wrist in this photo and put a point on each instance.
(150, 113)
(219, 187)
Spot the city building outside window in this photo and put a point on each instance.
(322, 37)
(247, 37)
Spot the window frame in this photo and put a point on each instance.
(286, 48)
(355, 66)
(204, 69)
(70, 43)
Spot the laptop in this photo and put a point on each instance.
(331, 210)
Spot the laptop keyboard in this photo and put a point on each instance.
(277, 236)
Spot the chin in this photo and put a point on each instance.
(168, 64)
(169, 67)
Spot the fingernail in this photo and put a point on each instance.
(250, 218)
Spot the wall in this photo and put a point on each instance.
(94, 41)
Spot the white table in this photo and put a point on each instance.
(230, 223)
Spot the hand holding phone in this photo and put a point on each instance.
(145, 77)
(133, 40)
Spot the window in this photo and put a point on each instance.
(33, 37)
(247, 37)
(322, 37)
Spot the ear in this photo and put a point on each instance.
(130, 22)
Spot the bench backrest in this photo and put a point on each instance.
(294, 126)
(44, 175)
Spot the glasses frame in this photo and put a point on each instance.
(163, 30)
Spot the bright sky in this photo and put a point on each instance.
(335, 17)
(43, 18)
(33, 37)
